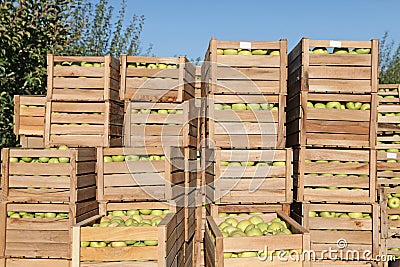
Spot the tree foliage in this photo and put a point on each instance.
(389, 61)
(95, 31)
(31, 29)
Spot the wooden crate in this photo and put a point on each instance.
(169, 234)
(317, 169)
(159, 124)
(73, 181)
(333, 73)
(216, 245)
(263, 182)
(86, 124)
(143, 79)
(41, 237)
(29, 114)
(388, 131)
(330, 127)
(189, 248)
(143, 180)
(388, 167)
(248, 128)
(21, 262)
(255, 74)
(69, 80)
(358, 234)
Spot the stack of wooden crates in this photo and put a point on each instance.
(331, 124)
(246, 168)
(388, 167)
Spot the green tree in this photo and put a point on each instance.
(389, 61)
(95, 31)
(29, 29)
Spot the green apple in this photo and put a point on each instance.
(275, 226)
(279, 163)
(232, 221)
(327, 214)
(224, 163)
(218, 107)
(132, 158)
(85, 244)
(362, 50)
(118, 244)
(220, 51)
(333, 104)
(320, 50)
(358, 105)
(118, 158)
(151, 242)
(95, 244)
(15, 215)
(162, 111)
(310, 105)
(259, 52)
(237, 233)
(44, 159)
(223, 225)
(26, 159)
(351, 105)
(14, 160)
(229, 229)
(50, 215)
(63, 147)
(53, 160)
(247, 163)
(39, 215)
(256, 219)
(156, 221)
(162, 66)
(274, 53)
(137, 217)
(63, 160)
(355, 215)
(156, 212)
(253, 107)
(394, 217)
(254, 232)
(227, 107)
(239, 106)
(340, 51)
(131, 212)
(319, 105)
(344, 215)
(107, 159)
(227, 255)
(393, 203)
(230, 52)
(365, 106)
(244, 53)
(242, 225)
(145, 111)
(152, 66)
(234, 163)
(312, 214)
(222, 214)
(117, 213)
(145, 211)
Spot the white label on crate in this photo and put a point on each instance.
(391, 155)
(245, 45)
(335, 44)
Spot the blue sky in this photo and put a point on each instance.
(179, 27)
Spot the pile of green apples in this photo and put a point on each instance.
(157, 111)
(130, 158)
(129, 218)
(82, 64)
(339, 105)
(37, 215)
(252, 163)
(139, 65)
(243, 106)
(247, 52)
(340, 51)
(332, 214)
(386, 90)
(254, 226)
(42, 159)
